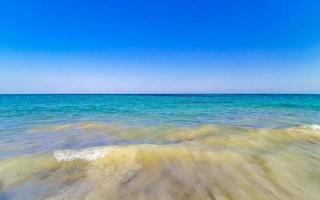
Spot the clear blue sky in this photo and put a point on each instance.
(167, 46)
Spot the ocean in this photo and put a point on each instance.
(160, 147)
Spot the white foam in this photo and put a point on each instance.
(84, 154)
(315, 127)
(312, 126)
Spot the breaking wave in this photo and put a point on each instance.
(315, 126)
(85, 154)
(207, 162)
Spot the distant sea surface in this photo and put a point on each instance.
(160, 147)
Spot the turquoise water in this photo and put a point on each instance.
(18, 111)
(21, 113)
(251, 130)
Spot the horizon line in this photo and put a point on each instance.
(213, 93)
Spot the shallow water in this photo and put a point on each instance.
(160, 147)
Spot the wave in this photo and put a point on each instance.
(315, 127)
(84, 154)
(210, 135)
(309, 128)
(99, 126)
(209, 162)
(86, 126)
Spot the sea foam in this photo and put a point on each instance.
(84, 154)
(315, 127)
(312, 126)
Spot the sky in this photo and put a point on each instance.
(167, 46)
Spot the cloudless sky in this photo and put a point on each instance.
(165, 46)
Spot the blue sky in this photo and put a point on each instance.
(163, 46)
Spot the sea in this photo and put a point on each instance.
(160, 147)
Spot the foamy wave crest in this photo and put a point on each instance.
(315, 126)
(84, 154)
